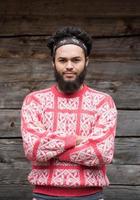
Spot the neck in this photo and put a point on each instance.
(82, 85)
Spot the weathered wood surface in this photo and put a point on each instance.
(126, 151)
(14, 69)
(125, 95)
(15, 25)
(98, 8)
(15, 192)
(114, 68)
(39, 17)
(22, 192)
(17, 174)
(122, 193)
(18, 77)
(115, 49)
(128, 123)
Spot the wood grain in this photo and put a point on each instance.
(11, 151)
(126, 95)
(104, 49)
(14, 69)
(114, 68)
(39, 17)
(53, 8)
(127, 126)
(18, 173)
(22, 192)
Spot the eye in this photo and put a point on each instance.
(76, 60)
(62, 60)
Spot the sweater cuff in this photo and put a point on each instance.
(70, 141)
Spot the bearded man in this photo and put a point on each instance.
(68, 130)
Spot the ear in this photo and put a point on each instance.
(87, 61)
(52, 63)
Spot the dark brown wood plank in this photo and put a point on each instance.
(15, 25)
(15, 192)
(10, 123)
(11, 151)
(40, 17)
(126, 95)
(115, 71)
(116, 49)
(128, 123)
(127, 151)
(111, 49)
(124, 174)
(109, 8)
(19, 173)
(14, 69)
(122, 192)
(22, 192)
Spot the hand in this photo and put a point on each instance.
(80, 139)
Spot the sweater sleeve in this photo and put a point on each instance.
(98, 149)
(39, 144)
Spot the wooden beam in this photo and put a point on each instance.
(21, 69)
(11, 151)
(124, 94)
(104, 49)
(121, 192)
(15, 191)
(22, 192)
(112, 18)
(20, 171)
(110, 8)
(127, 126)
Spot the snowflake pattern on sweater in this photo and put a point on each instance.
(50, 123)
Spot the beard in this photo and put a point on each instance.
(69, 87)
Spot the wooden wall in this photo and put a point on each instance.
(114, 68)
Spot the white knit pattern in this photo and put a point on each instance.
(48, 119)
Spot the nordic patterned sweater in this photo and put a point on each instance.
(50, 122)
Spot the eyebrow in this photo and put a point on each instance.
(70, 58)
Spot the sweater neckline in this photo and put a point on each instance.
(64, 95)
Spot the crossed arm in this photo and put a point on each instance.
(41, 146)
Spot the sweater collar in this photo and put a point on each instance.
(78, 93)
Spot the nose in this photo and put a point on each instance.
(69, 65)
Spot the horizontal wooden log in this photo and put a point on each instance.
(19, 173)
(18, 77)
(15, 192)
(14, 69)
(22, 192)
(124, 94)
(40, 17)
(124, 174)
(110, 8)
(126, 151)
(122, 192)
(46, 25)
(111, 49)
(128, 123)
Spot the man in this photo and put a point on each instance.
(68, 130)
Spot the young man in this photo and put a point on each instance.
(68, 130)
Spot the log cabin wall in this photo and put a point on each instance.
(114, 68)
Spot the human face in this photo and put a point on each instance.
(70, 67)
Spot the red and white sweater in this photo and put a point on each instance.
(50, 122)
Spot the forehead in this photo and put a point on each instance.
(69, 50)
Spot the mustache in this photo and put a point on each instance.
(69, 87)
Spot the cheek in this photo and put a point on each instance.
(58, 67)
(81, 67)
